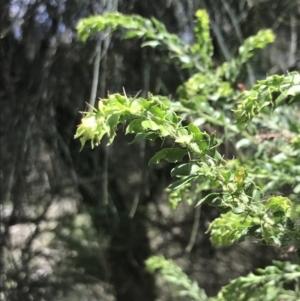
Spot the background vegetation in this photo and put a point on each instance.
(80, 225)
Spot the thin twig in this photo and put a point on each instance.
(220, 39)
(239, 35)
(195, 228)
(95, 74)
(101, 51)
(146, 87)
(293, 44)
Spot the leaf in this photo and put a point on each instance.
(281, 98)
(196, 131)
(294, 90)
(120, 98)
(226, 174)
(157, 112)
(180, 183)
(185, 169)
(133, 34)
(163, 131)
(267, 284)
(159, 25)
(296, 189)
(150, 125)
(169, 154)
(238, 209)
(184, 140)
(210, 198)
(182, 285)
(135, 126)
(199, 138)
(152, 44)
(230, 228)
(113, 120)
(243, 143)
(278, 203)
(142, 136)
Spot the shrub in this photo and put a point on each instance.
(249, 190)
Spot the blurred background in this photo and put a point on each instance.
(79, 225)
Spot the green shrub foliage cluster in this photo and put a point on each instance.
(265, 134)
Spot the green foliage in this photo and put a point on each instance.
(196, 57)
(152, 118)
(203, 47)
(182, 286)
(147, 118)
(231, 227)
(152, 30)
(246, 190)
(230, 70)
(268, 285)
(271, 93)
